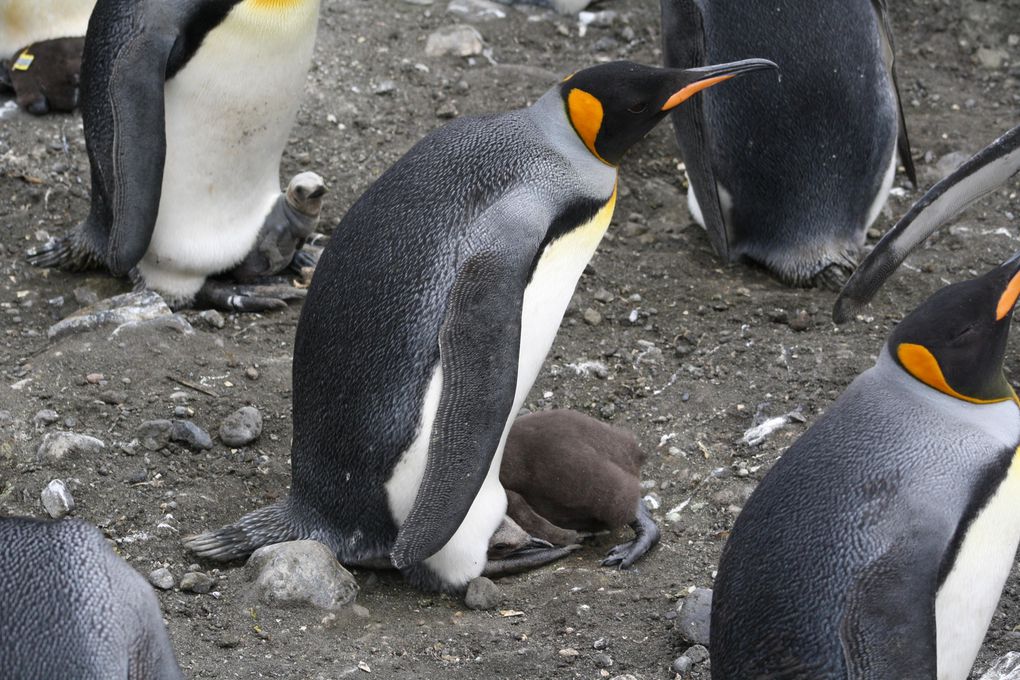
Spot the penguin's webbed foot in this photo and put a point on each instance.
(230, 297)
(64, 253)
(302, 260)
(534, 554)
(835, 274)
(646, 535)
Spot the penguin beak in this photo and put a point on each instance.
(1008, 299)
(704, 77)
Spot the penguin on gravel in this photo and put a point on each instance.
(565, 472)
(878, 545)
(790, 177)
(72, 609)
(431, 313)
(187, 105)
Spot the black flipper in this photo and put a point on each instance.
(683, 46)
(889, 52)
(976, 178)
(478, 345)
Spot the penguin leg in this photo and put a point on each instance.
(647, 534)
(230, 297)
(305, 257)
(534, 554)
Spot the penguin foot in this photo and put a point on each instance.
(835, 274)
(229, 297)
(647, 534)
(63, 253)
(535, 553)
(303, 259)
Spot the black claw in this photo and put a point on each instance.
(646, 535)
(302, 259)
(246, 298)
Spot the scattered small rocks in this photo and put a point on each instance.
(482, 594)
(241, 427)
(476, 10)
(1006, 667)
(161, 578)
(191, 435)
(197, 582)
(57, 500)
(459, 40)
(694, 615)
(300, 574)
(56, 446)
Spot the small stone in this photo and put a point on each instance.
(190, 434)
(45, 417)
(697, 653)
(154, 434)
(251, 373)
(94, 378)
(603, 295)
(459, 40)
(603, 661)
(6, 418)
(601, 643)
(211, 318)
(197, 582)
(694, 615)
(800, 321)
(113, 397)
(991, 58)
(161, 578)
(85, 296)
(384, 87)
(241, 427)
(300, 574)
(592, 317)
(447, 110)
(682, 664)
(57, 500)
(476, 10)
(482, 594)
(56, 445)
(569, 653)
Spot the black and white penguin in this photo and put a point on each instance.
(790, 177)
(72, 609)
(431, 313)
(187, 105)
(23, 22)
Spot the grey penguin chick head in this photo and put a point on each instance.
(71, 608)
(305, 193)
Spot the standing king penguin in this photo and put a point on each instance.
(71, 608)
(187, 105)
(878, 545)
(790, 176)
(432, 310)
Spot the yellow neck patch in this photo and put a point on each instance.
(585, 112)
(923, 365)
(273, 4)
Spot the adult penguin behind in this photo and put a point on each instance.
(187, 106)
(790, 177)
(72, 609)
(430, 316)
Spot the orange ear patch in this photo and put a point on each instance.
(923, 365)
(585, 111)
(683, 95)
(1008, 299)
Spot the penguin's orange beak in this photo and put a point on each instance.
(698, 79)
(1007, 301)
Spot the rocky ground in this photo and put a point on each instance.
(692, 353)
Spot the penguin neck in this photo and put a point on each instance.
(550, 117)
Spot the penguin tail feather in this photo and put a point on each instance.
(265, 526)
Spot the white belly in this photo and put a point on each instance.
(229, 113)
(23, 22)
(545, 300)
(968, 598)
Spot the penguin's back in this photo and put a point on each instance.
(887, 474)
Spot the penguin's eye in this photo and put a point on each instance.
(964, 335)
(638, 108)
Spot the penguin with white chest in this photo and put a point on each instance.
(879, 544)
(790, 177)
(187, 106)
(431, 313)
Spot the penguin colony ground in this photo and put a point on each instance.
(650, 436)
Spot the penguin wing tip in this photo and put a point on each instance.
(844, 309)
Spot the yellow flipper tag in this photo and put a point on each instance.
(23, 62)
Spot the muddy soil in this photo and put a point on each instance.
(696, 352)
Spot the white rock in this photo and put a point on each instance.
(300, 574)
(460, 40)
(57, 500)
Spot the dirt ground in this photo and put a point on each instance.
(696, 352)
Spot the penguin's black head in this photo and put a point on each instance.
(956, 340)
(612, 106)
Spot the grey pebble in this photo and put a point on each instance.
(300, 574)
(190, 434)
(459, 40)
(384, 87)
(476, 10)
(211, 318)
(603, 660)
(161, 578)
(482, 594)
(694, 615)
(57, 500)
(6, 418)
(601, 643)
(682, 664)
(592, 317)
(45, 417)
(697, 653)
(241, 427)
(154, 434)
(57, 445)
(197, 582)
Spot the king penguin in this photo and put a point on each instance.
(23, 22)
(790, 177)
(878, 545)
(186, 106)
(431, 313)
(74, 609)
